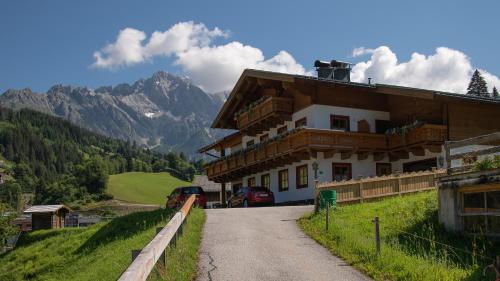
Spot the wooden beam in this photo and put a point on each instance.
(402, 154)
(417, 151)
(495, 137)
(378, 156)
(329, 154)
(346, 154)
(491, 150)
(434, 148)
(363, 155)
(393, 157)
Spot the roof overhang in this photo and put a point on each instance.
(237, 96)
(45, 209)
(244, 92)
(230, 140)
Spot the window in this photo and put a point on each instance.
(474, 202)
(381, 126)
(421, 165)
(265, 181)
(283, 180)
(479, 209)
(264, 138)
(339, 122)
(383, 169)
(250, 143)
(301, 122)
(251, 181)
(341, 171)
(493, 199)
(282, 130)
(302, 178)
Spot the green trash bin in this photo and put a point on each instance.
(327, 197)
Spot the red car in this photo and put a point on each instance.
(179, 195)
(251, 196)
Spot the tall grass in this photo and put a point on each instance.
(414, 246)
(99, 252)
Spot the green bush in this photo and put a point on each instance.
(488, 163)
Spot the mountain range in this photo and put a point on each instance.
(164, 112)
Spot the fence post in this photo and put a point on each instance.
(164, 253)
(135, 253)
(498, 267)
(316, 197)
(361, 191)
(377, 235)
(327, 214)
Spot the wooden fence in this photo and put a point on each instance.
(145, 261)
(378, 187)
(488, 145)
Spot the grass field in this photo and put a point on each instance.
(404, 256)
(145, 188)
(100, 252)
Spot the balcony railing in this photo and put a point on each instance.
(267, 114)
(299, 144)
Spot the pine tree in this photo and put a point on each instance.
(477, 85)
(494, 93)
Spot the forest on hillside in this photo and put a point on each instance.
(58, 162)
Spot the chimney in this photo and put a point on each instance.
(333, 70)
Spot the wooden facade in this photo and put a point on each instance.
(47, 216)
(263, 100)
(301, 144)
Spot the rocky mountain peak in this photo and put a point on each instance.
(164, 111)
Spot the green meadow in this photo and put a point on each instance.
(145, 188)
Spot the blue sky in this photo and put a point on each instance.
(49, 42)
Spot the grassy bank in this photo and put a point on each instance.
(181, 264)
(145, 188)
(99, 252)
(411, 240)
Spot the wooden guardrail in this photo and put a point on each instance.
(145, 261)
(378, 187)
(491, 146)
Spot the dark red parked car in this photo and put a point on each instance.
(251, 196)
(179, 195)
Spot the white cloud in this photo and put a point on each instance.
(356, 52)
(213, 67)
(446, 70)
(216, 67)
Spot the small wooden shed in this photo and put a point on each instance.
(470, 202)
(47, 216)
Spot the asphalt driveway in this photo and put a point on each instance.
(265, 244)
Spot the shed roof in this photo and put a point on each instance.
(471, 178)
(45, 209)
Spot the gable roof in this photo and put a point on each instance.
(249, 76)
(45, 209)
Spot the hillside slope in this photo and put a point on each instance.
(414, 246)
(164, 111)
(145, 188)
(100, 252)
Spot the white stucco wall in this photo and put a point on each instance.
(318, 116)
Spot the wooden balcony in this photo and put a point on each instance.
(305, 143)
(268, 114)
